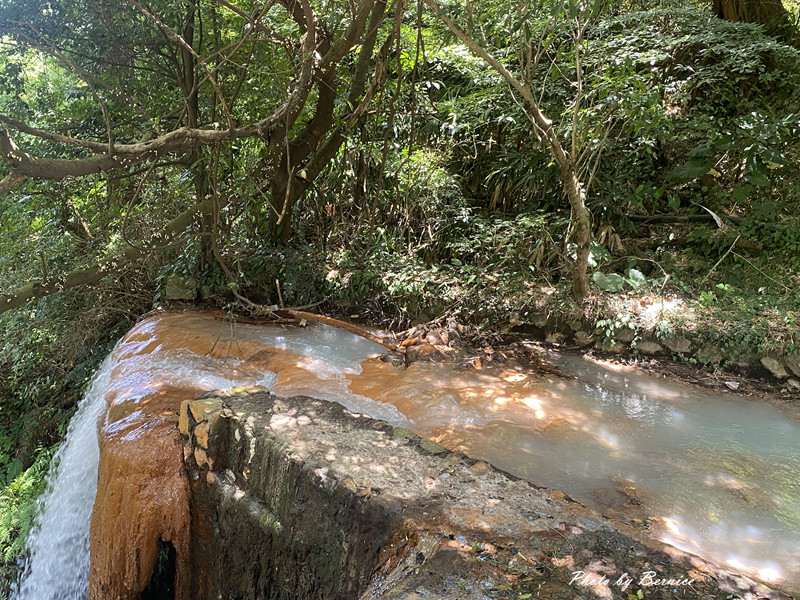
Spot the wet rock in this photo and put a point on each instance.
(650, 348)
(421, 351)
(179, 287)
(201, 435)
(401, 433)
(409, 341)
(200, 457)
(480, 468)
(396, 359)
(183, 418)
(431, 447)
(678, 345)
(199, 409)
(142, 502)
(793, 384)
(775, 367)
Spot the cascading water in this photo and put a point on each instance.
(710, 474)
(57, 565)
(138, 389)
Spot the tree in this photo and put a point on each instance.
(770, 13)
(160, 64)
(571, 159)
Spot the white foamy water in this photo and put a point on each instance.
(57, 566)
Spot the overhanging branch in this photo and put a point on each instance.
(92, 275)
(183, 139)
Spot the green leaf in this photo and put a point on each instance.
(636, 278)
(611, 282)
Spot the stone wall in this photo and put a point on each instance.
(609, 337)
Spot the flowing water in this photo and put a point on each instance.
(714, 475)
(58, 563)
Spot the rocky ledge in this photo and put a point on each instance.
(296, 499)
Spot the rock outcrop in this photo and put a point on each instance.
(299, 499)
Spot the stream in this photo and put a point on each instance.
(715, 475)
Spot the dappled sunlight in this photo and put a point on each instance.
(729, 545)
(632, 446)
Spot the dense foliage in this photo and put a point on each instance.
(405, 184)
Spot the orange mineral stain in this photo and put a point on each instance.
(637, 447)
(142, 497)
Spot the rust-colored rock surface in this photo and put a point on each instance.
(141, 512)
(142, 502)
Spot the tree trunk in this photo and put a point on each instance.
(582, 223)
(92, 275)
(311, 149)
(544, 132)
(770, 13)
(191, 92)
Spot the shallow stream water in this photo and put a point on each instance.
(715, 475)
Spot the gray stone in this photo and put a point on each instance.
(649, 347)
(344, 509)
(554, 338)
(793, 384)
(625, 335)
(678, 345)
(431, 447)
(792, 363)
(180, 287)
(774, 366)
(709, 354)
(583, 339)
(606, 345)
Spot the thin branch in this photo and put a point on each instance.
(11, 182)
(182, 44)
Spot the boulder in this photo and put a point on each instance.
(298, 499)
(678, 345)
(611, 346)
(775, 367)
(649, 347)
(709, 354)
(792, 363)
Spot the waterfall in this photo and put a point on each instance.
(57, 564)
(193, 356)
